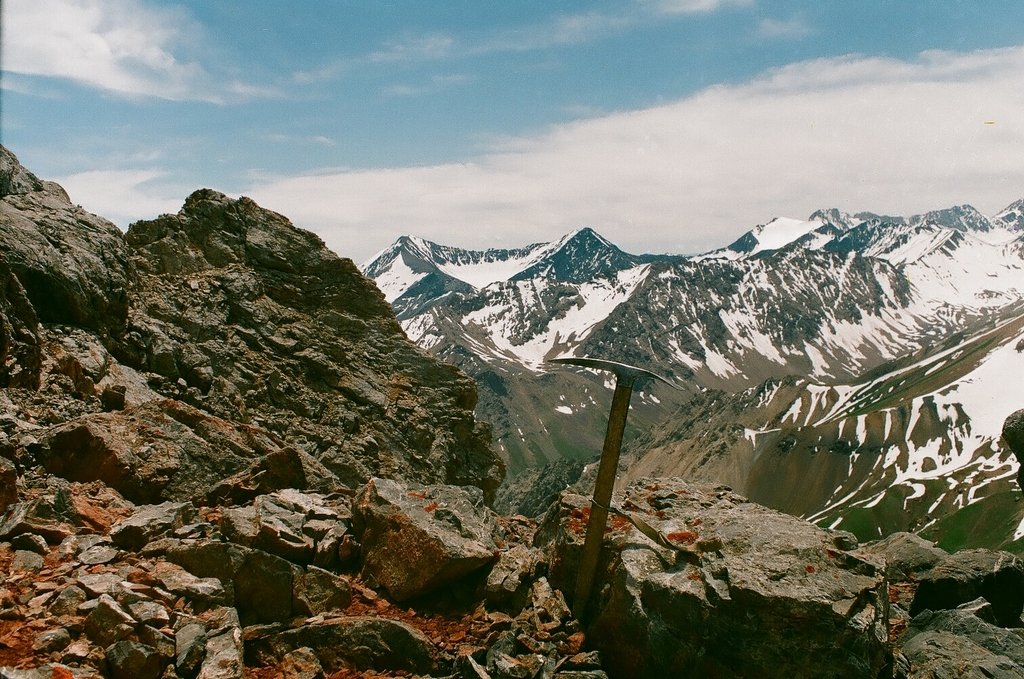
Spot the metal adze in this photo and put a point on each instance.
(626, 376)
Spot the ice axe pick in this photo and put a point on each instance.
(625, 377)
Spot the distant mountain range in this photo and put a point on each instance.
(828, 300)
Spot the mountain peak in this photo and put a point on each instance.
(1011, 217)
(959, 217)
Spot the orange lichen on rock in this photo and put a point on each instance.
(683, 537)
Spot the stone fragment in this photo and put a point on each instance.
(96, 584)
(190, 648)
(202, 592)
(363, 643)
(134, 660)
(223, 655)
(418, 538)
(239, 525)
(150, 522)
(99, 554)
(509, 579)
(263, 588)
(51, 640)
(25, 561)
(969, 574)
(318, 591)
(67, 601)
(30, 542)
(301, 663)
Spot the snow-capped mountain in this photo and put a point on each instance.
(912, 445)
(826, 298)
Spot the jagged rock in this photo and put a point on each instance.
(959, 643)
(189, 648)
(360, 642)
(73, 265)
(224, 659)
(159, 450)
(134, 660)
(43, 517)
(51, 640)
(905, 555)
(108, 622)
(8, 481)
(968, 574)
(21, 354)
(30, 542)
(745, 590)
(98, 554)
(279, 469)
(259, 583)
(279, 531)
(25, 561)
(418, 538)
(205, 592)
(150, 522)
(67, 601)
(318, 591)
(301, 663)
(509, 579)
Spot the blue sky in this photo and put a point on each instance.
(667, 125)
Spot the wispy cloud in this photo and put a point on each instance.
(122, 196)
(435, 84)
(317, 140)
(856, 133)
(794, 27)
(127, 47)
(692, 6)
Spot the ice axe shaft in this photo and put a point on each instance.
(626, 376)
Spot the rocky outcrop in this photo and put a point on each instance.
(734, 589)
(1013, 435)
(72, 265)
(223, 336)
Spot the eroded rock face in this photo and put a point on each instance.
(749, 591)
(262, 323)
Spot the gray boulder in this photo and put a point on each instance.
(959, 643)
(150, 522)
(418, 538)
(969, 574)
(134, 660)
(905, 555)
(730, 589)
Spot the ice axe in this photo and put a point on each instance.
(625, 377)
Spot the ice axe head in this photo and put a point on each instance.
(623, 371)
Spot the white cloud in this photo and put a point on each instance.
(122, 196)
(792, 28)
(123, 46)
(856, 133)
